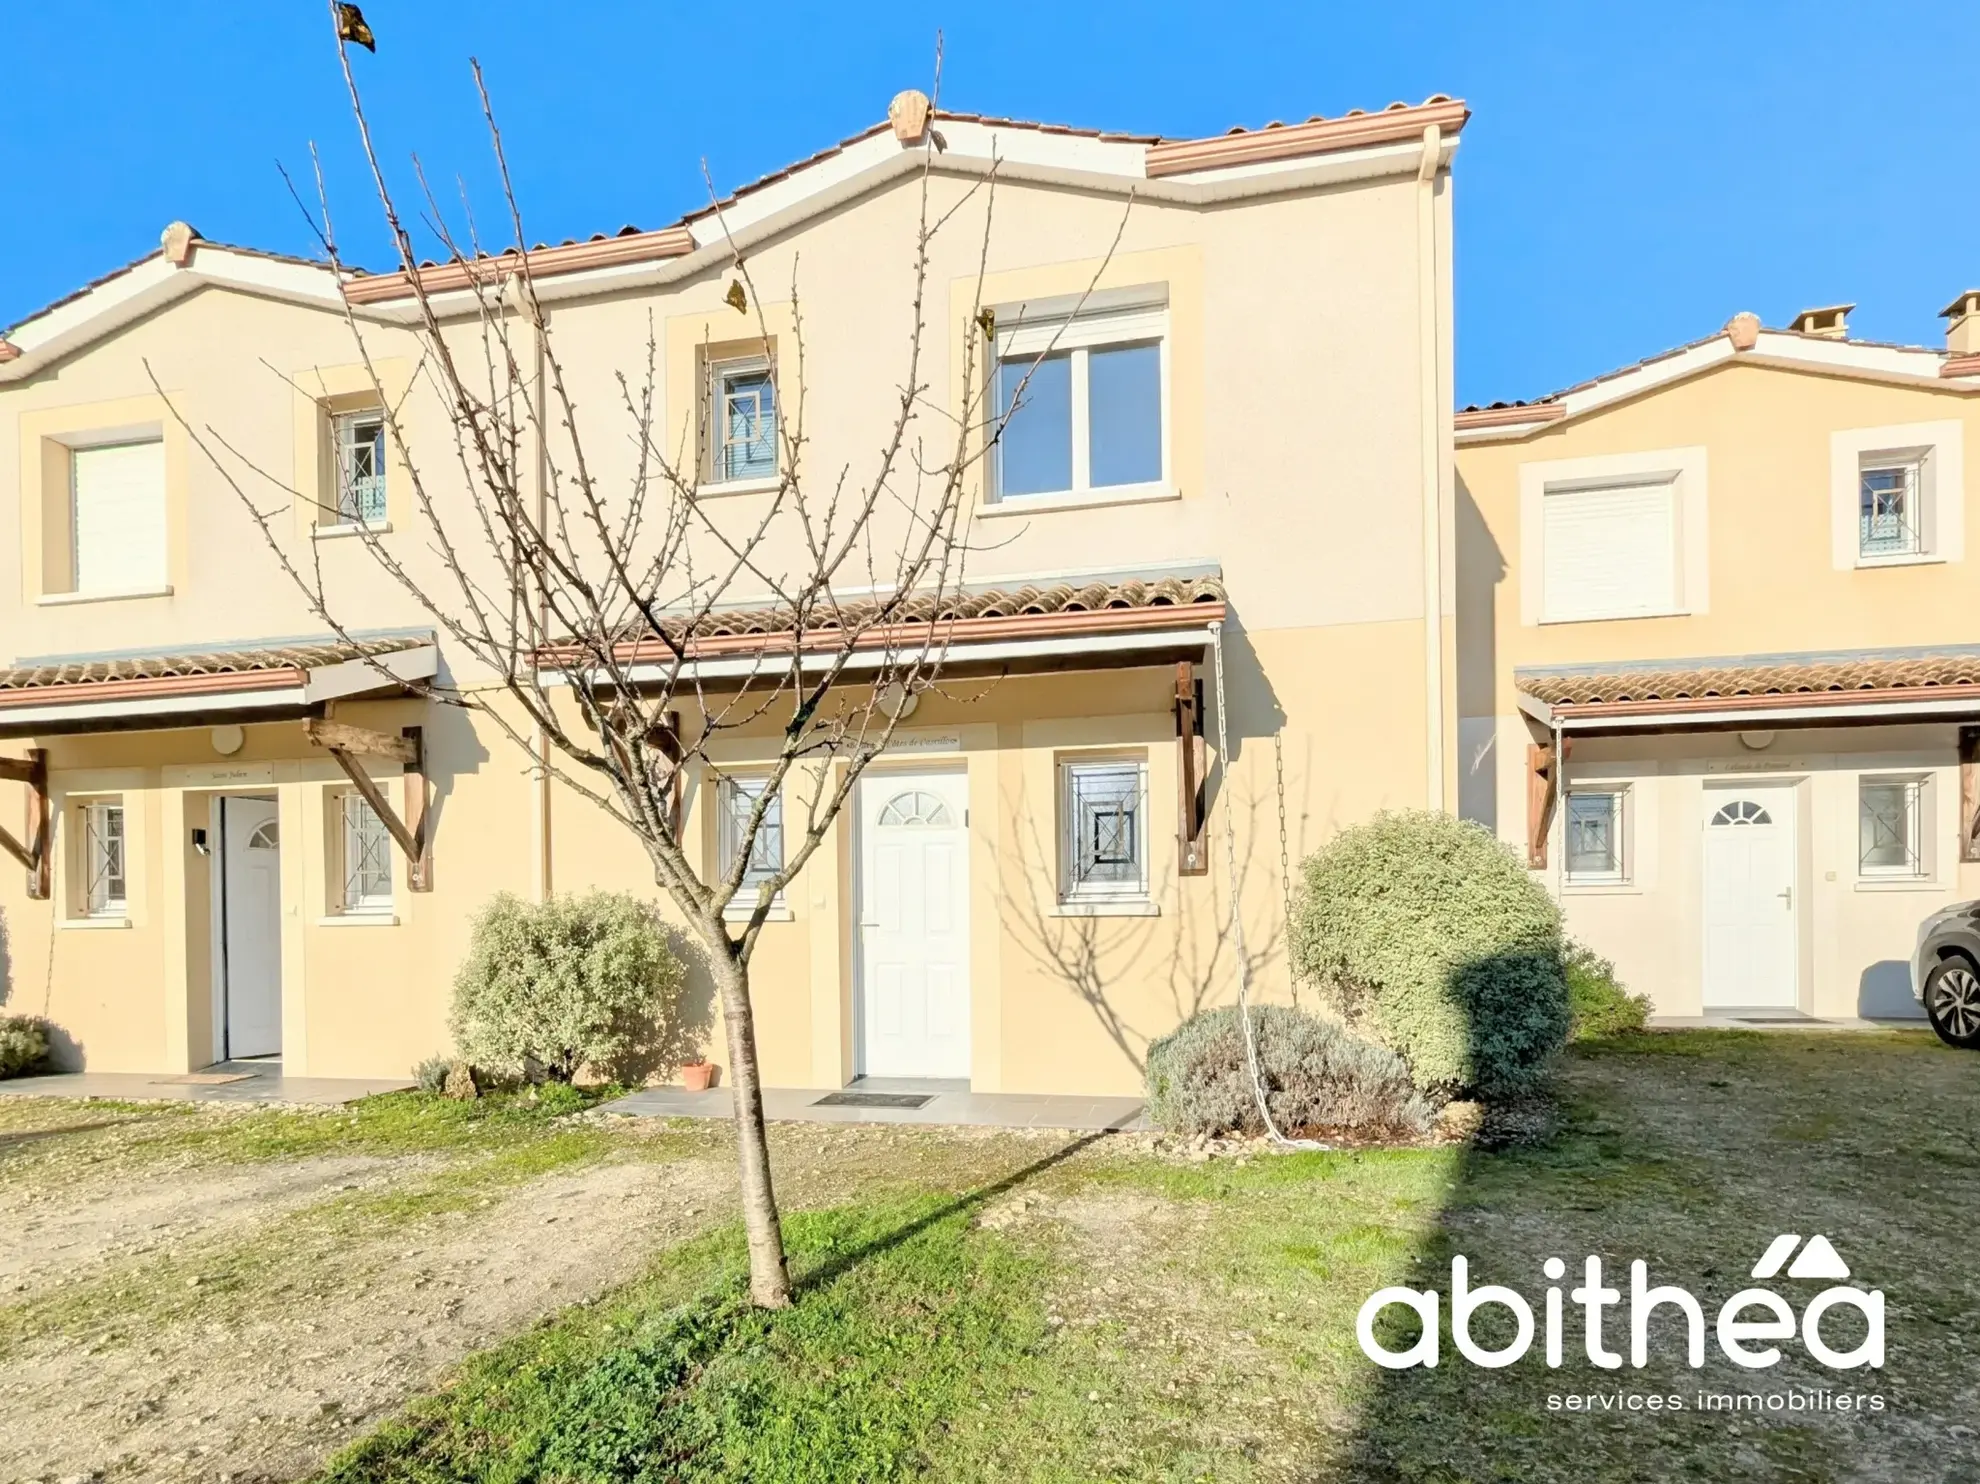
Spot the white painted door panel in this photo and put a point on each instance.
(913, 895)
(252, 913)
(1750, 874)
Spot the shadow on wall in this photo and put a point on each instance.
(1884, 992)
(1481, 568)
(683, 1034)
(6, 962)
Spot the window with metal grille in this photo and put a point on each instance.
(1891, 508)
(104, 881)
(1104, 825)
(744, 422)
(367, 856)
(360, 468)
(1890, 818)
(1595, 844)
(766, 850)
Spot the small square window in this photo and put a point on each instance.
(366, 856)
(1890, 816)
(766, 851)
(360, 440)
(1595, 822)
(743, 422)
(1891, 508)
(104, 862)
(1103, 824)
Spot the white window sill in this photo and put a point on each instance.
(1600, 889)
(760, 485)
(1899, 883)
(1120, 494)
(778, 913)
(352, 528)
(56, 600)
(94, 923)
(1901, 559)
(1126, 907)
(359, 919)
(1549, 622)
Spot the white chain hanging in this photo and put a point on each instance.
(1237, 917)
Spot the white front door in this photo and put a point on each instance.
(251, 925)
(1750, 873)
(913, 914)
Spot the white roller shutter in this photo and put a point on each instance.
(1609, 552)
(120, 517)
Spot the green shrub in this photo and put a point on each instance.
(1318, 1076)
(573, 983)
(431, 1074)
(23, 1045)
(1427, 933)
(1598, 1003)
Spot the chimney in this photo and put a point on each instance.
(1829, 323)
(1962, 318)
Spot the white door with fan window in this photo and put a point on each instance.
(1750, 886)
(912, 904)
(250, 955)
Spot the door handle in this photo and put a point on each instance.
(1787, 897)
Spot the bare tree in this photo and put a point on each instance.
(587, 608)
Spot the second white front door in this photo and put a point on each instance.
(913, 913)
(251, 924)
(1750, 875)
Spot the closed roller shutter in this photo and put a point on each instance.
(1609, 552)
(120, 517)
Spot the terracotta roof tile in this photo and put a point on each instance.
(1716, 681)
(56, 673)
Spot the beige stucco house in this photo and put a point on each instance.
(1248, 441)
(1717, 663)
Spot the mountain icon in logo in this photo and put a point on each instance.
(1819, 1259)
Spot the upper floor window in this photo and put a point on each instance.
(1082, 403)
(1103, 823)
(1609, 551)
(117, 518)
(104, 881)
(743, 421)
(360, 440)
(766, 851)
(1897, 494)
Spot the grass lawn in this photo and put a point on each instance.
(1017, 1307)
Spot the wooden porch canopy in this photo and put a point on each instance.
(1160, 621)
(1751, 693)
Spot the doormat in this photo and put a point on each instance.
(1773, 1020)
(204, 1079)
(875, 1100)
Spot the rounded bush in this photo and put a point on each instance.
(1318, 1077)
(1427, 933)
(573, 983)
(23, 1045)
(1598, 1004)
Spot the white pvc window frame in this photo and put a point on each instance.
(1912, 817)
(1079, 879)
(105, 859)
(363, 499)
(1615, 802)
(364, 858)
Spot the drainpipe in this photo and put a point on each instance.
(1430, 422)
(1557, 826)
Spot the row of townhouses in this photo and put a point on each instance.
(1688, 636)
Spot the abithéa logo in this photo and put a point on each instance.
(1746, 1338)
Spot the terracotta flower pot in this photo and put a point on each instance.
(699, 1076)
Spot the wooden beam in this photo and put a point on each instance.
(1541, 794)
(359, 741)
(419, 873)
(1193, 855)
(1969, 794)
(16, 770)
(33, 856)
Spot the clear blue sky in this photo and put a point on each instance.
(1631, 175)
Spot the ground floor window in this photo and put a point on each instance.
(365, 856)
(1103, 828)
(104, 882)
(766, 850)
(1596, 840)
(1890, 815)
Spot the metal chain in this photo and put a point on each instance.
(1285, 861)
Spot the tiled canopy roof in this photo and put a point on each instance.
(1787, 679)
(50, 674)
(992, 603)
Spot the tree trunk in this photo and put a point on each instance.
(769, 1281)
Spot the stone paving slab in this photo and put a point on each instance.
(259, 1085)
(946, 1105)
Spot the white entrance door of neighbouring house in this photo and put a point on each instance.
(250, 950)
(1750, 874)
(912, 901)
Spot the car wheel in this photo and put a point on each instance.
(1952, 1003)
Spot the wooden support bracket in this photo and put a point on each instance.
(1193, 846)
(33, 856)
(1969, 794)
(1543, 794)
(346, 744)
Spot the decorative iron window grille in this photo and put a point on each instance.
(361, 468)
(104, 885)
(1106, 848)
(766, 850)
(367, 857)
(1888, 521)
(1889, 813)
(746, 423)
(1595, 835)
